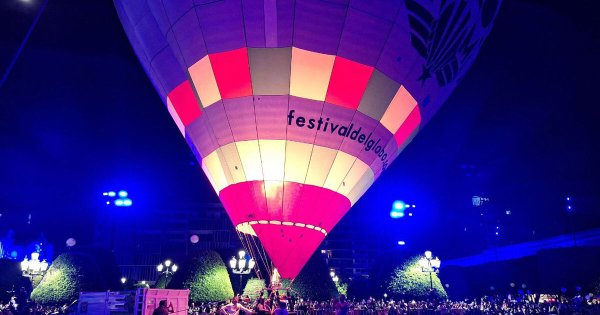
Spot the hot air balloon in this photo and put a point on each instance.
(294, 108)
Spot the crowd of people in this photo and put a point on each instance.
(510, 305)
(20, 304)
(274, 304)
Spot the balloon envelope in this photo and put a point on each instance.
(294, 108)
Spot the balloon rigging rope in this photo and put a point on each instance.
(263, 255)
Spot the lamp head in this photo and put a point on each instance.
(44, 265)
(24, 264)
(232, 263)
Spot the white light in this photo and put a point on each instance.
(123, 280)
(104, 194)
(232, 263)
(410, 214)
(428, 254)
(24, 264)
(336, 279)
(414, 206)
(160, 267)
(108, 202)
(401, 243)
(144, 282)
(242, 263)
(44, 265)
(251, 263)
(424, 263)
(241, 254)
(35, 256)
(127, 202)
(174, 268)
(332, 273)
(119, 202)
(168, 262)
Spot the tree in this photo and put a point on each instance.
(206, 276)
(253, 287)
(163, 281)
(408, 280)
(314, 281)
(342, 287)
(76, 271)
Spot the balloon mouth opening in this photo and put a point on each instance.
(246, 227)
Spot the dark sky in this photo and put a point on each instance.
(78, 116)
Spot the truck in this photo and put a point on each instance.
(142, 301)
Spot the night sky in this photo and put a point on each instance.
(78, 116)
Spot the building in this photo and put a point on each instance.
(140, 244)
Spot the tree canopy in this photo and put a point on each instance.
(408, 280)
(76, 271)
(206, 276)
(253, 287)
(314, 281)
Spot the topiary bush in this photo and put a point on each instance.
(163, 281)
(206, 276)
(253, 287)
(314, 281)
(76, 271)
(409, 281)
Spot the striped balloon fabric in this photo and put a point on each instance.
(294, 108)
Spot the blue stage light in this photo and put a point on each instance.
(401, 243)
(127, 202)
(112, 194)
(395, 214)
(123, 194)
(14, 254)
(398, 205)
(119, 202)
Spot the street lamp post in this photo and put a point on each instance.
(34, 269)
(430, 265)
(241, 266)
(167, 268)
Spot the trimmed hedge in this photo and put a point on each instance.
(408, 280)
(314, 281)
(253, 287)
(206, 276)
(74, 272)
